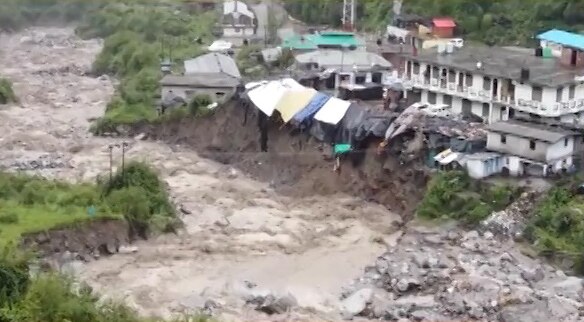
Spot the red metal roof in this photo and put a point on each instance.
(444, 22)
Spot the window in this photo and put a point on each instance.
(572, 91)
(447, 99)
(566, 142)
(485, 109)
(559, 93)
(486, 83)
(416, 68)
(503, 139)
(468, 80)
(536, 93)
(432, 98)
(532, 144)
(435, 73)
(219, 94)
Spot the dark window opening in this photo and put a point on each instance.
(566, 142)
(532, 145)
(503, 139)
(432, 98)
(536, 93)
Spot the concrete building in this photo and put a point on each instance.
(483, 164)
(219, 87)
(350, 66)
(212, 74)
(532, 149)
(496, 83)
(238, 20)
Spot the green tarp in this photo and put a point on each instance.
(342, 148)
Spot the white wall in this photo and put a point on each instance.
(188, 93)
(230, 31)
(514, 165)
(560, 150)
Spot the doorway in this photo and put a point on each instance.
(495, 88)
(466, 107)
(573, 57)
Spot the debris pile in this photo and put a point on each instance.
(511, 222)
(45, 161)
(446, 276)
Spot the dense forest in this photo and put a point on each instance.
(489, 21)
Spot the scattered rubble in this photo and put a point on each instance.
(45, 161)
(511, 221)
(473, 277)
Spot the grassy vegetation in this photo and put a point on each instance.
(137, 38)
(557, 227)
(453, 195)
(55, 298)
(6, 93)
(32, 204)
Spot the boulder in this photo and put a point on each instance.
(277, 305)
(357, 302)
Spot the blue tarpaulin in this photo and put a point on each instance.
(312, 108)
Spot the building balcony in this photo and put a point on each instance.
(472, 94)
(451, 88)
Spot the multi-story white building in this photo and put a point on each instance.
(501, 83)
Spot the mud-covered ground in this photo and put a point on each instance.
(240, 231)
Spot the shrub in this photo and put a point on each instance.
(454, 195)
(6, 93)
(8, 218)
(198, 106)
(138, 194)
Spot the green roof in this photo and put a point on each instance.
(330, 38)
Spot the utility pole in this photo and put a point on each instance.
(124, 147)
(349, 11)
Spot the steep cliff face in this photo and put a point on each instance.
(295, 164)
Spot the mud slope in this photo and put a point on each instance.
(296, 164)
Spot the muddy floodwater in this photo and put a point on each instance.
(241, 237)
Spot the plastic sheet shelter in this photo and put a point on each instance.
(266, 96)
(333, 111)
(293, 101)
(312, 108)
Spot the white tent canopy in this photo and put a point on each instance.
(266, 96)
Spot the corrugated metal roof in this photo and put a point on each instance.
(212, 63)
(343, 59)
(530, 130)
(564, 38)
(200, 80)
(444, 22)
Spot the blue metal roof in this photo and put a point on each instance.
(564, 38)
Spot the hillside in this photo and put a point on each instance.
(490, 21)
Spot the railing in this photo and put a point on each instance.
(450, 88)
(468, 92)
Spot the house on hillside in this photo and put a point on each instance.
(443, 27)
(322, 40)
(533, 149)
(347, 67)
(238, 20)
(212, 74)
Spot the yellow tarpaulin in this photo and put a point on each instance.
(293, 101)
